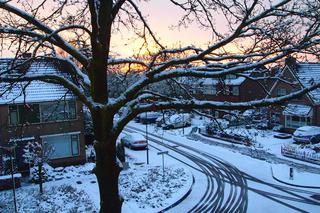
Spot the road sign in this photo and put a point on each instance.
(163, 152)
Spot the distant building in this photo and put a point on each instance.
(43, 112)
(302, 111)
(232, 88)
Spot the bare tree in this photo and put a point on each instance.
(79, 32)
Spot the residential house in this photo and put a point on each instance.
(301, 111)
(233, 88)
(42, 112)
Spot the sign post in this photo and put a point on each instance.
(163, 153)
(291, 173)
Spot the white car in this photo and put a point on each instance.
(178, 121)
(134, 141)
(307, 134)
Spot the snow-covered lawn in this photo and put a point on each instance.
(74, 188)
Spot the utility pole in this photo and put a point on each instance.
(11, 149)
(147, 137)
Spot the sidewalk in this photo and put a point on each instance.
(281, 173)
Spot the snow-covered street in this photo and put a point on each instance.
(240, 181)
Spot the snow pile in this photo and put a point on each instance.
(64, 198)
(148, 189)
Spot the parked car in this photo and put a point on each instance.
(134, 141)
(282, 135)
(307, 134)
(162, 120)
(149, 117)
(178, 121)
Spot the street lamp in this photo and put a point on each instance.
(147, 137)
(11, 149)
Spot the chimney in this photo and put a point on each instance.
(291, 62)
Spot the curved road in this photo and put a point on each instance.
(226, 189)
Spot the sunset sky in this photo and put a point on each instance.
(162, 15)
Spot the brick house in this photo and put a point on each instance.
(304, 110)
(43, 112)
(232, 88)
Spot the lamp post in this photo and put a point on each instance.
(11, 149)
(147, 137)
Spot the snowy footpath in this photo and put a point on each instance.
(281, 173)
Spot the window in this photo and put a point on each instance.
(281, 92)
(234, 90)
(296, 121)
(13, 115)
(231, 76)
(58, 111)
(62, 146)
(24, 114)
(210, 90)
(197, 89)
(44, 112)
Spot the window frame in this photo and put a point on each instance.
(41, 120)
(71, 144)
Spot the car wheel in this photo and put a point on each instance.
(314, 140)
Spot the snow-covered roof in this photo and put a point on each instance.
(307, 74)
(213, 81)
(298, 110)
(35, 91)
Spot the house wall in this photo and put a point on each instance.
(251, 90)
(316, 117)
(305, 100)
(50, 128)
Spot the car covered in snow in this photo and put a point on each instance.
(162, 120)
(149, 117)
(178, 121)
(307, 134)
(134, 141)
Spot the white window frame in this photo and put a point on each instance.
(44, 137)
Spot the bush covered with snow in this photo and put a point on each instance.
(149, 189)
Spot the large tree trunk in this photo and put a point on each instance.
(107, 170)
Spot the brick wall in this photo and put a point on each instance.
(50, 128)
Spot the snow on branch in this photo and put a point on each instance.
(60, 42)
(114, 61)
(200, 104)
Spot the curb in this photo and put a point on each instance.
(181, 199)
(291, 184)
